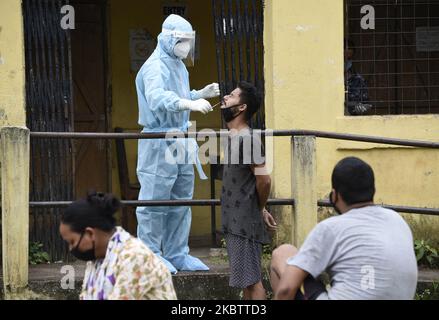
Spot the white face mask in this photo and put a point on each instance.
(182, 49)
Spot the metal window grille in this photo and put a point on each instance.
(399, 59)
(238, 26)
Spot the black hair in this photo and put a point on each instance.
(95, 211)
(354, 180)
(251, 97)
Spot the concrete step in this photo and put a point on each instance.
(46, 280)
(211, 285)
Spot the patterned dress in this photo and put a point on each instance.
(129, 271)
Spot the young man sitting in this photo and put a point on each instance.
(367, 250)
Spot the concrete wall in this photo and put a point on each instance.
(305, 90)
(12, 76)
(14, 150)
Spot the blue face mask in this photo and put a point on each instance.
(348, 65)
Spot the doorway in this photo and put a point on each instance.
(67, 89)
(90, 95)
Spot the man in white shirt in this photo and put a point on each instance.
(367, 250)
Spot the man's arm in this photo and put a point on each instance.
(263, 185)
(290, 282)
(315, 255)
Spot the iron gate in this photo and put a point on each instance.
(239, 27)
(48, 108)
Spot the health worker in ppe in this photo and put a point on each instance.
(165, 102)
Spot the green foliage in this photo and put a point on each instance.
(267, 252)
(223, 243)
(426, 255)
(424, 227)
(36, 254)
(431, 293)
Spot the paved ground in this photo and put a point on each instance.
(52, 272)
(45, 279)
(55, 271)
(218, 265)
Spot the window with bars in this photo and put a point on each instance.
(239, 26)
(395, 67)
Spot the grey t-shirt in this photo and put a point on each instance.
(240, 211)
(367, 252)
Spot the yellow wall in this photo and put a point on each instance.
(14, 151)
(12, 76)
(148, 14)
(305, 90)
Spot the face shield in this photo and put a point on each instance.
(185, 47)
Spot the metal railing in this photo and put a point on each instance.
(304, 200)
(217, 202)
(274, 133)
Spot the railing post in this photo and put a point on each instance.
(14, 150)
(304, 187)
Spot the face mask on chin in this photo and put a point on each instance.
(88, 255)
(229, 113)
